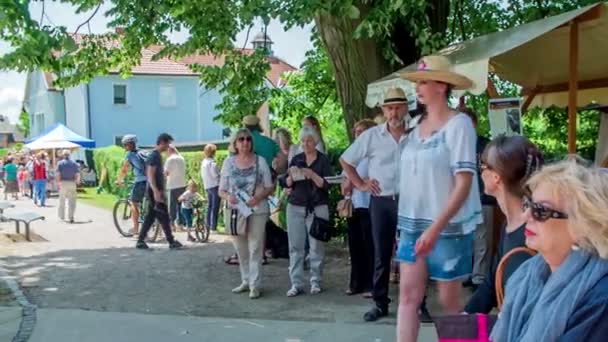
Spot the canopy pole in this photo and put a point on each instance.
(573, 87)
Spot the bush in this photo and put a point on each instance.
(108, 161)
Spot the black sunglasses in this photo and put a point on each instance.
(482, 166)
(241, 139)
(541, 213)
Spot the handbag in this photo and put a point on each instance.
(236, 224)
(320, 229)
(345, 208)
(476, 327)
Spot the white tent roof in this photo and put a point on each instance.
(42, 144)
(534, 56)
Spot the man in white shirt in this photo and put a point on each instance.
(382, 146)
(175, 171)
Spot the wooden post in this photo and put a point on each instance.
(573, 87)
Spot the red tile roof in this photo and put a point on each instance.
(167, 66)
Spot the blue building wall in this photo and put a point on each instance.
(143, 114)
(210, 130)
(44, 107)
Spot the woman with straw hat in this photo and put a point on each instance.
(438, 216)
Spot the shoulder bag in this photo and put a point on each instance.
(476, 327)
(236, 224)
(320, 228)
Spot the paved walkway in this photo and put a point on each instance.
(90, 282)
(78, 325)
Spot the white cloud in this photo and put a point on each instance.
(10, 102)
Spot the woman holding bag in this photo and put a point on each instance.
(245, 175)
(308, 199)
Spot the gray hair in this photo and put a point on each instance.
(307, 131)
(65, 153)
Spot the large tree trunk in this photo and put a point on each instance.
(358, 62)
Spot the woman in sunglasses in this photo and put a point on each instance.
(246, 182)
(506, 164)
(562, 293)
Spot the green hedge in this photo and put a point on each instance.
(108, 161)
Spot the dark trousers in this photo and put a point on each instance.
(174, 207)
(213, 208)
(383, 214)
(156, 211)
(361, 249)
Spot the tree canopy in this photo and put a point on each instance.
(357, 42)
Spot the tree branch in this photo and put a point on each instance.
(89, 19)
(247, 36)
(461, 21)
(41, 15)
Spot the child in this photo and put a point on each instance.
(22, 178)
(187, 200)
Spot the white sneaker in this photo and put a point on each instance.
(294, 291)
(315, 289)
(241, 288)
(254, 294)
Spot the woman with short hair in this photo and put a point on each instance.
(245, 175)
(309, 197)
(561, 294)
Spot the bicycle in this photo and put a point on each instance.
(201, 229)
(123, 220)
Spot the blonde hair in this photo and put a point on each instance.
(209, 150)
(585, 191)
(365, 124)
(233, 139)
(192, 183)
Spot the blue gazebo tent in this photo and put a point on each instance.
(59, 132)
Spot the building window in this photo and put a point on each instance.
(120, 94)
(167, 96)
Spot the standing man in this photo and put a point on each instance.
(382, 146)
(136, 160)
(68, 177)
(155, 192)
(263, 146)
(175, 170)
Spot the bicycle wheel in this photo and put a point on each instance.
(202, 231)
(153, 233)
(122, 217)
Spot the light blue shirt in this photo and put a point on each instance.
(138, 164)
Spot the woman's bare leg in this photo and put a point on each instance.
(412, 287)
(450, 296)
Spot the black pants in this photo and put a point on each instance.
(174, 207)
(361, 248)
(156, 211)
(383, 213)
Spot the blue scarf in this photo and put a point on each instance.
(539, 303)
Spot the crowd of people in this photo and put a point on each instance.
(31, 175)
(424, 189)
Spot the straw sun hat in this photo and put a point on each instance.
(440, 69)
(394, 96)
(251, 120)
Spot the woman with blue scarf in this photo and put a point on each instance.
(562, 293)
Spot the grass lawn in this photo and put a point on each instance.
(103, 200)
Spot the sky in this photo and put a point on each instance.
(291, 46)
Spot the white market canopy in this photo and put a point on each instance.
(560, 60)
(42, 144)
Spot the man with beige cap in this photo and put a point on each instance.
(68, 176)
(382, 146)
(263, 146)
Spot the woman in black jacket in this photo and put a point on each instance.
(506, 164)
